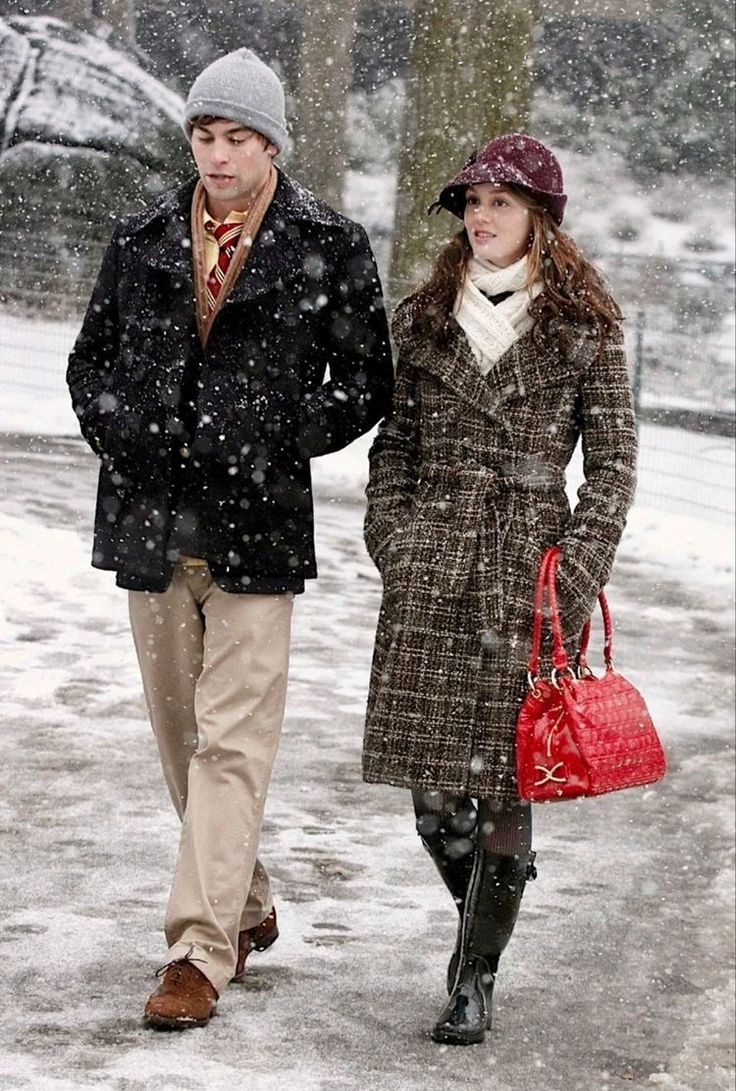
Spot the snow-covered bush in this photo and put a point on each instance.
(87, 136)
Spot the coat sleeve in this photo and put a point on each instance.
(609, 441)
(93, 357)
(357, 350)
(394, 465)
(127, 440)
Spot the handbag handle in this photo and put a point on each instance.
(547, 580)
(533, 665)
(581, 662)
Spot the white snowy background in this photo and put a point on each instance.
(620, 972)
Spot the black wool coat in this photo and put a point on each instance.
(205, 450)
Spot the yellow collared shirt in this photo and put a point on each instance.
(211, 249)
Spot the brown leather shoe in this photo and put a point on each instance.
(185, 998)
(255, 939)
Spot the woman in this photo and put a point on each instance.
(509, 353)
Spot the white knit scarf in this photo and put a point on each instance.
(493, 329)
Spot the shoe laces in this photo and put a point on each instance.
(177, 965)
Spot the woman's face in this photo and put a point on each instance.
(497, 222)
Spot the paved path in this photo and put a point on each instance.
(618, 974)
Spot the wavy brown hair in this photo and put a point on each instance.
(573, 289)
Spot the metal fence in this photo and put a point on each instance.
(681, 338)
(680, 343)
(681, 346)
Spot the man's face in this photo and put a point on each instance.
(233, 162)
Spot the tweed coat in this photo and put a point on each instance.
(466, 492)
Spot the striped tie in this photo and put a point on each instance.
(227, 236)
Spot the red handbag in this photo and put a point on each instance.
(579, 735)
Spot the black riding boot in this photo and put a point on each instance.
(491, 908)
(449, 836)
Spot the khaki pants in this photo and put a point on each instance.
(214, 669)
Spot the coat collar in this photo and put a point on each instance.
(527, 366)
(278, 252)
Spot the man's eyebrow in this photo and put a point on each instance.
(228, 132)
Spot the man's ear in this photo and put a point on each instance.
(272, 150)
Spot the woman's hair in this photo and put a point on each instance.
(573, 289)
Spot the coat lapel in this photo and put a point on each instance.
(173, 252)
(278, 252)
(525, 368)
(459, 370)
(171, 246)
(530, 365)
(275, 258)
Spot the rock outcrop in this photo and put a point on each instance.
(86, 136)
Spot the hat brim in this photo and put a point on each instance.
(452, 197)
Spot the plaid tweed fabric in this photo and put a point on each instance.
(227, 236)
(466, 492)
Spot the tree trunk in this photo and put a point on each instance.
(469, 80)
(325, 75)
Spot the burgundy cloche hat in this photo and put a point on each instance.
(514, 157)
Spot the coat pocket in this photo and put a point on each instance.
(430, 557)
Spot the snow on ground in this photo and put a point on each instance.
(619, 974)
(33, 355)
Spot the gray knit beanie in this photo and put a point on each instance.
(239, 87)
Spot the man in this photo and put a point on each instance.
(199, 380)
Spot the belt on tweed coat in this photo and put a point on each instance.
(482, 526)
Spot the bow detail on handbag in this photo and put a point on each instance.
(578, 734)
